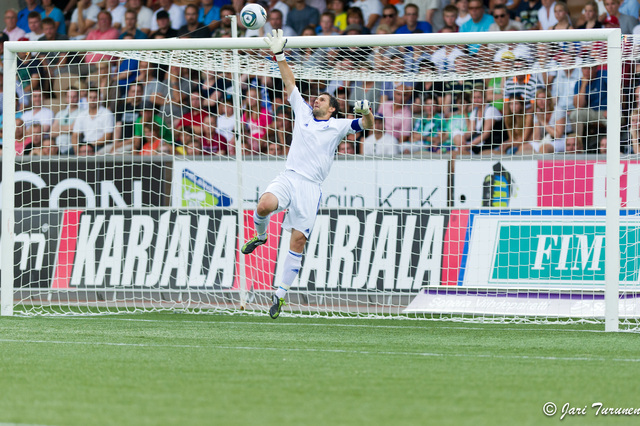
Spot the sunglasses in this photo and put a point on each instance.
(499, 16)
(389, 16)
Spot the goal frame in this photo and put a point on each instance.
(612, 37)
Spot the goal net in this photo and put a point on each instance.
(480, 193)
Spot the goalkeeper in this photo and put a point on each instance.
(316, 135)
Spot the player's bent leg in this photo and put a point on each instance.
(266, 205)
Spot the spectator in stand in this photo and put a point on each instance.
(518, 124)
(371, 12)
(212, 141)
(428, 126)
(38, 113)
(64, 120)
(50, 32)
(634, 132)
(281, 5)
(224, 29)
(562, 88)
(550, 124)
(301, 15)
(626, 22)
(486, 124)
(413, 25)
(33, 139)
(573, 144)
(526, 84)
(355, 17)
(117, 12)
(191, 145)
(274, 22)
(502, 20)
(590, 100)
(255, 117)
(103, 31)
(49, 62)
(193, 28)
(23, 15)
(338, 7)
(227, 121)
(127, 73)
(480, 21)
(35, 25)
(127, 114)
(163, 25)
(51, 11)
(130, 28)
(85, 150)
(463, 12)
(398, 117)
(445, 58)
(94, 126)
(326, 24)
(546, 15)
(389, 18)
(83, 20)
(11, 29)
(150, 116)
(590, 13)
(630, 7)
(192, 118)
(348, 146)
(176, 14)
(47, 147)
(427, 9)
(449, 17)
(144, 15)
(380, 143)
(208, 13)
(561, 11)
(527, 13)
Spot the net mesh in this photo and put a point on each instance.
(478, 195)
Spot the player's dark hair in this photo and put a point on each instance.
(333, 102)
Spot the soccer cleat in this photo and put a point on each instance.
(251, 245)
(278, 303)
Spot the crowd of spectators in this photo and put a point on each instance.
(113, 106)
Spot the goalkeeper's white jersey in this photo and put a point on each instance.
(314, 142)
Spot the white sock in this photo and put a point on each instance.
(261, 223)
(291, 266)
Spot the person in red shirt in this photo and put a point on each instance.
(103, 31)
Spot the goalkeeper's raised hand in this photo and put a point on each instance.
(362, 107)
(276, 42)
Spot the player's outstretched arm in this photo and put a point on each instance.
(277, 42)
(362, 107)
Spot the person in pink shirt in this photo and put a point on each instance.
(397, 113)
(103, 31)
(11, 28)
(255, 118)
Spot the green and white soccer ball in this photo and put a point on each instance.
(253, 16)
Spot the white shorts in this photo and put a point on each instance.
(300, 196)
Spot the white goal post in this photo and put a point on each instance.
(236, 286)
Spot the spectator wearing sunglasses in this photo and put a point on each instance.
(502, 20)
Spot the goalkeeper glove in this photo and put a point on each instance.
(362, 107)
(276, 42)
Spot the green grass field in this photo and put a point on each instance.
(179, 369)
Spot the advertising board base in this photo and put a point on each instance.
(505, 303)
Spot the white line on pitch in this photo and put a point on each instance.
(342, 351)
(479, 327)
